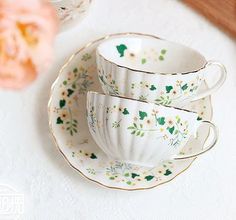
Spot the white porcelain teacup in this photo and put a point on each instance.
(141, 133)
(151, 69)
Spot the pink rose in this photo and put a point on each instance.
(27, 31)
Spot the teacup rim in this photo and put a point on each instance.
(140, 101)
(153, 72)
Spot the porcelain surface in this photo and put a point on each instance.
(68, 124)
(155, 70)
(140, 133)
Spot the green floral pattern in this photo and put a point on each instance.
(164, 95)
(110, 84)
(170, 129)
(78, 80)
(80, 150)
(123, 51)
(127, 174)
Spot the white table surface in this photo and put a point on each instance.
(31, 163)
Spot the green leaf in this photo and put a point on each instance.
(62, 103)
(121, 49)
(163, 51)
(161, 120)
(168, 172)
(142, 115)
(112, 178)
(148, 178)
(125, 112)
(184, 87)
(93, 156)
(169, 88)
(199, 118)
(75, 70)
(131, 127)
(65, 82)
(86, 57)
(74, 86)
(133, 175)
(142, 134)
(161, 57)
(129, 182)
(171, 130)
(138, 133)
(126, 174)
(69, 92)
(152, 88)
(59, 120)
(144, 61)
(133, 132)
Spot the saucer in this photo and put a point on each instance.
(70, 12)
(68, 125)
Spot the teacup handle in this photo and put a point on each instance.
(218, 83)
(205, 149)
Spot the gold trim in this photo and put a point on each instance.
(144, 102)
(158, 73)
(54, 138)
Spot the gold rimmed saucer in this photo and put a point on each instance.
(68, 125)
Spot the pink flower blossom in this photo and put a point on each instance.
(27, 31)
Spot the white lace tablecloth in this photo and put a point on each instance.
(30, 163)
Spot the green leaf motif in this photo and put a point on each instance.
(148, 178)
(169, 88)
(125, 112)
(121, 49)
(62, 103)
(171, 130)
(163, 51)
(129, 182)
(144, 61)
(168, 172)
(69, 92)
(161, 120)
(126, 175)
(199, 118)
(59, 120)
(152, 88)
(161, 58)
(142, 115)
(133, 175)
(93, 156)
(86, 57)
(184, 87)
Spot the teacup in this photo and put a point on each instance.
(141, 133)
(154, 70)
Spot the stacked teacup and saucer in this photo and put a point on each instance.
(141, 118)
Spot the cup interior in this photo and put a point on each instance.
(152, 55)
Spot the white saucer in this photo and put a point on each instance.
(68, 124)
